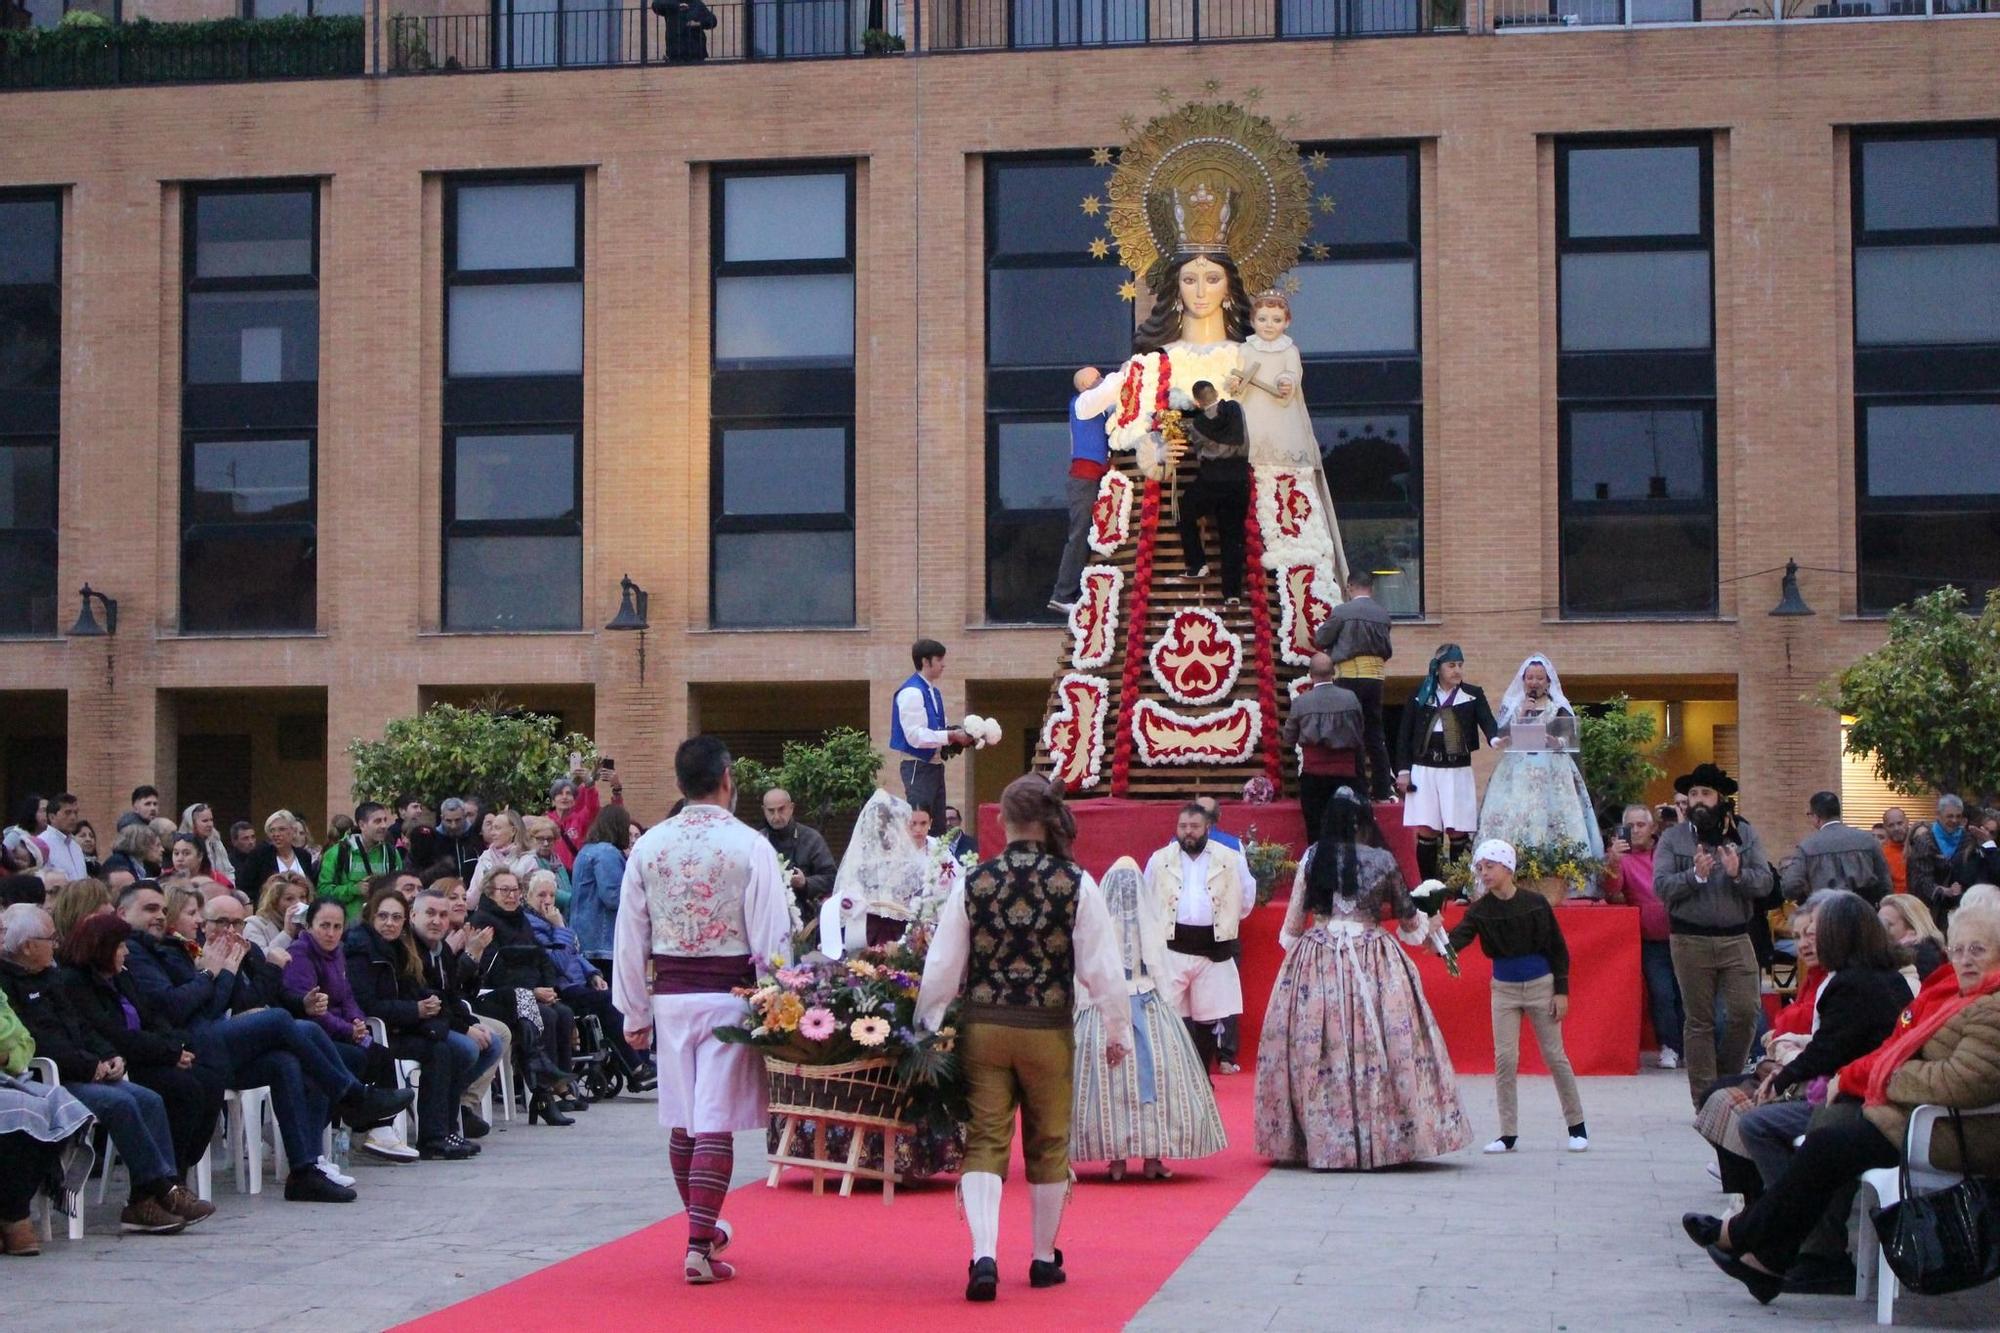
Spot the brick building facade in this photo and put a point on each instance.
(252, 718)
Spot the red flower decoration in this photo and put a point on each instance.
(1260, 617)
(1197, 659)
(1135, 634)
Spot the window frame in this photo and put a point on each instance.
(31, 417)
(192, 532)
(775, 394)
(1637, 379)
(1911, 374)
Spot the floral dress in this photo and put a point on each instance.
(1538, 799)
(1352, 1072)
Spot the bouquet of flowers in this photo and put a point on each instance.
(1271, 865)
(831, 1011)
(1430, 898)
(1568, 861)
(984, 731)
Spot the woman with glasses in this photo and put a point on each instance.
(518, 984)
(541, 856)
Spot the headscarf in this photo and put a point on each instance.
(1141, 938)
(1427, 695)
(1517, 693)
(883, 873)
(1335, 871)
(1500, 853)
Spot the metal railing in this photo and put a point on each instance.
(1537, 15)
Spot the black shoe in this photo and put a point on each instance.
(1764, 1286)
(982, 1280)
(472, 1125)
(1702, 1229)
(1047, 1275)
(643, 1079)
(308, 1184)
(541, 1107)
(453, 1149)
(1820, 1275)
(369, 1108)
(572, 1103)
(460, 1141)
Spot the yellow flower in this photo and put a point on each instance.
(786, 1012)
(862, 968)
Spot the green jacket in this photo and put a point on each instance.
(347, 866)
(17, 1047)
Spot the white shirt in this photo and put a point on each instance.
(1100, 967)
(64, 852)
(1098, 399)
(916, 722)
(1196, 907)
(291, 866)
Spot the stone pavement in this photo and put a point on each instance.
(1539, 1240)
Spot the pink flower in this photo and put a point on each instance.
(817, 1024)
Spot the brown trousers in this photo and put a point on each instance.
(1009, 1067)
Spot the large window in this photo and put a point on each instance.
(1636, 377)
(781, 498)
(1927, 361)
(1357, 321)
(1050, 308)
(513, 405)
(250, 409)
(30, 389)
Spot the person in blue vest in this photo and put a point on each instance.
(1228, 1038)
(919, 733)
(1089, 458)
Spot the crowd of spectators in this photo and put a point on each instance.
(183, 961)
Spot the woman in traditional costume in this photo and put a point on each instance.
(881, 884)
(1352, 1071)
(1158, 1104)
(1442, 726)
(1536, 798)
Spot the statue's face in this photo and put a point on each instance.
(1204, 284)
(1270, 321)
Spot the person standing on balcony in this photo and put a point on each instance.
(688, 24)
(919, 733)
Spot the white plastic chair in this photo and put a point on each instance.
(44, 1069)
(1886, 1185)
(506, 1079)
(203, 1184)
(247, 1110)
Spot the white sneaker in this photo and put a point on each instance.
(1668, 1060)
(1714, 1172)
(1577, 1143)
(1498, 1145)
(385, 1143)
(334, 1173)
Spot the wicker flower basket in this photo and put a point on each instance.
(863, 1094)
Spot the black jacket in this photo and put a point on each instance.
(184, 995)
(1413, 738)
(155, 1045)
(515, 960)
(60, 1032)
(806, 849)
(688, 26)
(383, 990)
(452, 975)
(1857, 1012)
(262, 863)
(433, 846)
(260, 984)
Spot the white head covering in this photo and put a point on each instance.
(1498, 852)
(1517, 692)
(1142, 936)
(884, 872)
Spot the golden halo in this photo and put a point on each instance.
(1235, 152)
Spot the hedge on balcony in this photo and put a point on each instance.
(88, 55)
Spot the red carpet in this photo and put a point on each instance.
(832, 1263)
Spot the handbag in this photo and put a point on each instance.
(1942, 1242)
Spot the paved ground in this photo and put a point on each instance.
(1541, 1240)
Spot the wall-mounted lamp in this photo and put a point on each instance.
(1789, 601)
(86, 626)
(632, 600)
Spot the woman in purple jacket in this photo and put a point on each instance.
(319, 963)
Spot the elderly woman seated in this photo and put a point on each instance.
(583, 987)
(1945, 1052)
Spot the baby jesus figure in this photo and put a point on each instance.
(1266, 381)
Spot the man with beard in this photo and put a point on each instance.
(809, 863)
(1198, 883)
(1711, 873)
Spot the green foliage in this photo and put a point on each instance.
(1612, 748)
(831, 776)
(84, 18)
(502, 757)
(877, 42)
(1926, 704)
(84, 53)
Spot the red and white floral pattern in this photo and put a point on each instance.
(1304, 604)
(1093, 621)
(1197, 658)
(1162, 736)
(704, 915)
(1111, 513)
(1295, 532)
(1073, 735)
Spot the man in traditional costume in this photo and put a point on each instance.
(918, 730)
(1198, 883)
(702, 899)
(1327, 723)
(1356, 636)
(1028, 937)
(1441, 728)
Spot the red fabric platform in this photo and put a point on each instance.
(1108, 827)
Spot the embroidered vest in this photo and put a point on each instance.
(933, 717)
(1022, 969)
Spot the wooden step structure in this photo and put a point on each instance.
(1172, 593)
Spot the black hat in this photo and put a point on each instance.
(1706, 775)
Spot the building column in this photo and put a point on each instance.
(357, 710)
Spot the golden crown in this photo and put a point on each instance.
(1201, 220)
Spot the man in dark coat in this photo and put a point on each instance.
(809, 863)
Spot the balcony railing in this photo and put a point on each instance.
(147, 53)
(1540, 15)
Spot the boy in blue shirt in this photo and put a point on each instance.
(1089, 458)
